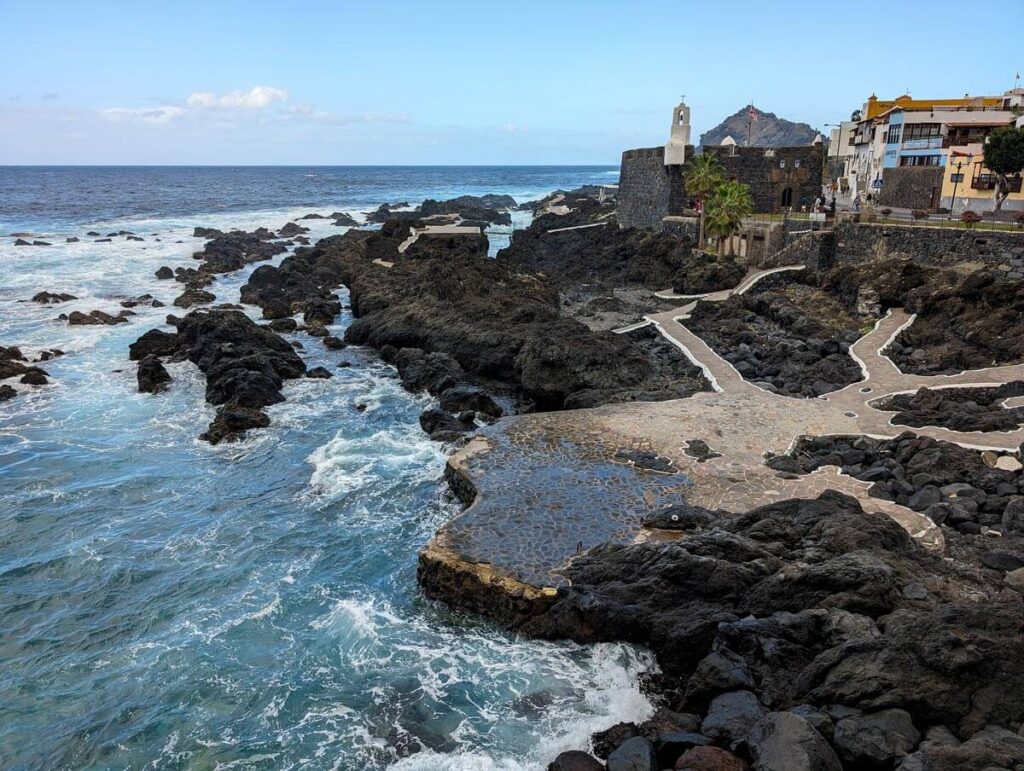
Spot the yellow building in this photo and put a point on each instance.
(875, 106)
(966, 183)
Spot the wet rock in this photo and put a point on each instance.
(431, 372)
(783, 741)
(819, 719)
(731, 716)
(145, 299)
(201, 232)
(164, 272)
(699, 449)
(152, 377)
(313, 216)
(462, 398)
(155, 342)
(292, 229)
(679, 517)
(334, 343)
(877, 738)
(233, 251)
(191, 297)
(77, 318)
(51, 298)
(284, 325)
(634, 754)
(718, 672)
(34, 376)
(245, 365)
(443, 426)
(709, 759)
(319, 372)
(22, 242)
(669, 745)
(341, 220)
(7, 392)
(989, 749)
(574, 760)
(276, 309)
(71, 240)
(643, 459)
(231, 423)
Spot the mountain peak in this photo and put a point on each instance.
(768, 130)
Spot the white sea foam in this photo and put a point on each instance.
(348, 463)
(587, 688)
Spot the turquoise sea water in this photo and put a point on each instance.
(167, 604)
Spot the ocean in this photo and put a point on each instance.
(165, 604)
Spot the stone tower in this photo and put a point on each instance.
(679, 138)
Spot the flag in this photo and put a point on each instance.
(752, 112)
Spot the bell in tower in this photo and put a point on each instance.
(679, 138)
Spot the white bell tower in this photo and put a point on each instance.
(679, 138)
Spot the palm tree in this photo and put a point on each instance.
(704, 175)
(726, 208)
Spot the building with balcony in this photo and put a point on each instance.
(911, 133)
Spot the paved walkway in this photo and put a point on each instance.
(548, 483)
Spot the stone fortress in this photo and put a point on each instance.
(652, 182)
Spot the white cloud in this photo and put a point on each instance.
(156, 116)
(255, 98)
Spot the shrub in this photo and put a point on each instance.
(970, 218)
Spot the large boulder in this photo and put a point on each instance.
(152, 376)
(709, 759)
(574, 760)
(877, 738)
(634, 754)
(782, 741)
(731, 716)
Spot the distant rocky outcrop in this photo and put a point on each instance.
(768, 130)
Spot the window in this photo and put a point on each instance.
(922, 131)
(782, 164)
(920, 160)
(894, 135)
(796, 164)
(956, 178)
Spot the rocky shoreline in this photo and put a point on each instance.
(817, 630)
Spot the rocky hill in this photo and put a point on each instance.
(769, 130)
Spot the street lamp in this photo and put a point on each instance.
(956, 181)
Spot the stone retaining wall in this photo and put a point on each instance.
(934, 246)
(911, 187)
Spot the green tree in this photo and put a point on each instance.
(727, 206)
(704, 175)
(1004, 155)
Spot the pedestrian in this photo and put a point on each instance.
(856, 202)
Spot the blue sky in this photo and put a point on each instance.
(406, 82)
